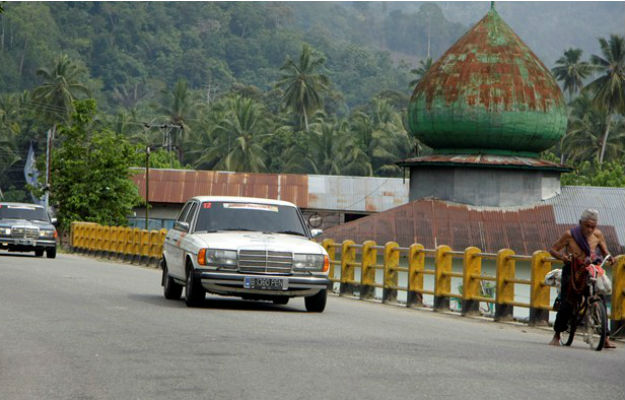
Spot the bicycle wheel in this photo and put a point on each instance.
(596, 325)
(566, 337)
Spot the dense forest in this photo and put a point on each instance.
(261, 87)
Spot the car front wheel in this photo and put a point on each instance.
(194, 292)
(316, 303)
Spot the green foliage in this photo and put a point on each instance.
(90, 172)
(54, 98)
(16, 195)
(160, 158)
(572, 71)
(589, 173)
(304, 83)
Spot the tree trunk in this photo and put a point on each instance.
(305, 120)
(604, 142)
(22, 58)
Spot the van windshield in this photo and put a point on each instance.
(225, 216)
(30, 213)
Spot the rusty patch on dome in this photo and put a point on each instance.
(491, 66)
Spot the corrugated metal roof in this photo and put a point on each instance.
(323, 192)
(435, 222)
(484, 160)
(610, 202)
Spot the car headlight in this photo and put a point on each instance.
(221, 258)
(46, 234)
(309, 262)
(5, 231)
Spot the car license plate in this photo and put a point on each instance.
(25, 242)
(253, 282)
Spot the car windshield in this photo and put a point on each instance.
(23, 212)
(225, 216)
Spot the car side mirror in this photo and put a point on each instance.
(181, 226)
(316, 232)
(54, 221)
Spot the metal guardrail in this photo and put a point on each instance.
(505, 278)
(129, 244)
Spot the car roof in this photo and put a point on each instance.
(3, 203)
(238, 199)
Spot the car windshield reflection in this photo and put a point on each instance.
(225, 216)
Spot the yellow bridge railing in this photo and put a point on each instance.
(130, 244)
(348, 257)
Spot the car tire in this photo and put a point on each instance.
(280, 300)
(194, 294)
(316, 303)
(38, 252)
(51, 252)
(171, 289)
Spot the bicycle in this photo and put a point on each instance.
(590, 314)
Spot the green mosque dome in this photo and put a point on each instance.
(488, 94)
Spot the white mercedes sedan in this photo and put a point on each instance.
(252, 248)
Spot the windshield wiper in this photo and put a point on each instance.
(293, 233)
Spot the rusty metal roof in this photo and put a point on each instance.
(323, 192)
(484, 160)
(435, 222)
(610, 202)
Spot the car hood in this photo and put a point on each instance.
(237, 240)
(8, 223)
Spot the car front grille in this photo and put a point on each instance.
(265, 262)
(23, 232)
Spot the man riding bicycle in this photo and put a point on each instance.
(581, 242)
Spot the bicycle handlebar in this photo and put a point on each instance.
(608, 257)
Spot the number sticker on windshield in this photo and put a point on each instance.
(252, 206)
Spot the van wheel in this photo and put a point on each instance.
(38, 252)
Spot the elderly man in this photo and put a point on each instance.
(583, 241)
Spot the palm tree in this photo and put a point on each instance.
(571, 71)
(235, 142)
(61, 86)
(177, 106)
(424, 67)
(332, 149)
(583, 140)
(609, 88)
(303, 83)
(383, 137)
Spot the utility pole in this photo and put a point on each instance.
(49, 139)
(167, 140)
(147, 186)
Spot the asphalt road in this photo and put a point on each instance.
(79, 328)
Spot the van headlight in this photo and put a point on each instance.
(308, 262)
(221, 258)
(5, 231)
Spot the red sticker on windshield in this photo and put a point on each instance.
(207, 205)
